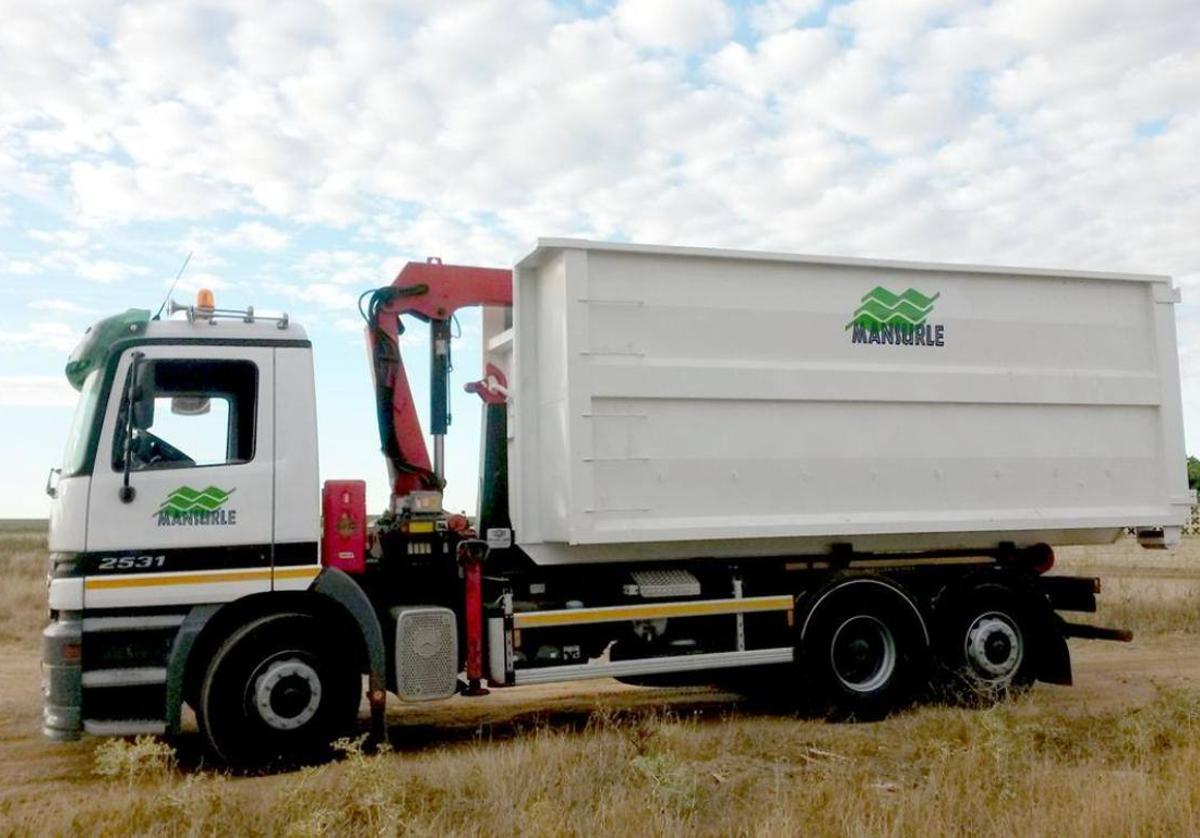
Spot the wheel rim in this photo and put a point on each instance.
(862, 653)
(286, 693)
(994, 647)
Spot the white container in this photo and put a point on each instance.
(681, 402)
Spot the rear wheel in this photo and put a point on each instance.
(986, 651)
(277, 689)
(864, 649)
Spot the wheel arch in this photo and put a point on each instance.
(839, 585)
(334, 598)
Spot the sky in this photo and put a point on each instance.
(304, 151)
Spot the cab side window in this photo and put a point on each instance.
(203, 416)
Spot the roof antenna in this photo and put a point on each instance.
(170, 290)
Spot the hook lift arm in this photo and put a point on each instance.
(432, 292)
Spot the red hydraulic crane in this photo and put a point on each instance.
(432, 292)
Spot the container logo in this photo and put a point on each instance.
(885, 317)
(187, 507)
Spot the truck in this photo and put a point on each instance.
(834, 481)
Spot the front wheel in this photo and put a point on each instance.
(277, 689)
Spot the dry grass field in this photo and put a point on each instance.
(1117, 754)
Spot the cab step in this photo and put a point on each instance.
(148, 622)
(124, 727)
(133, 677)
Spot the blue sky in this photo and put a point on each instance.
(304, 151)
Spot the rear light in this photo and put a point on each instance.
(1041, 557)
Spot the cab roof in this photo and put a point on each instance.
(101, 337)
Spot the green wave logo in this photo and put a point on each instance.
(880, 307)
(185, 499)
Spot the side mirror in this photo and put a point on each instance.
(141, 400)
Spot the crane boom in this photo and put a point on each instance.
(432, 292)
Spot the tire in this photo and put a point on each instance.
(864, 649)
(987, 650)
(277, 689)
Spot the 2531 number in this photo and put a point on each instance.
(131, 562)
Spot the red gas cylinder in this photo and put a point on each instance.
(344, 525)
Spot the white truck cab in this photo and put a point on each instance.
(214, 476)
(190, 476)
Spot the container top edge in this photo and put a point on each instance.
(546, 245)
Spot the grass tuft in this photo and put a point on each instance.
(134, 761)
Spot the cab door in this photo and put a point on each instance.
(181, 499)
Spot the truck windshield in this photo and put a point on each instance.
(81, 426)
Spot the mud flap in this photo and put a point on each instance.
(342, 589)
(1054, 658)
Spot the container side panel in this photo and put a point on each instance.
(711, 399)
(815, 467)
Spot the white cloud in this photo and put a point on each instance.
(73, 254)
(62, 306)
(349, 324)
(87, 264)
(108, 192)
(465, 130)
(675, 24)
(786, 61)
(66, 238)
(207, 244)
(453, 239)
(360, 269)
(323, 294)
(36, 391)
(1007, 132)
(41, 336)
(164, 46)
(16, 267)
(108, 270)
(772, 16)
(254, 235)
(886, 25)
